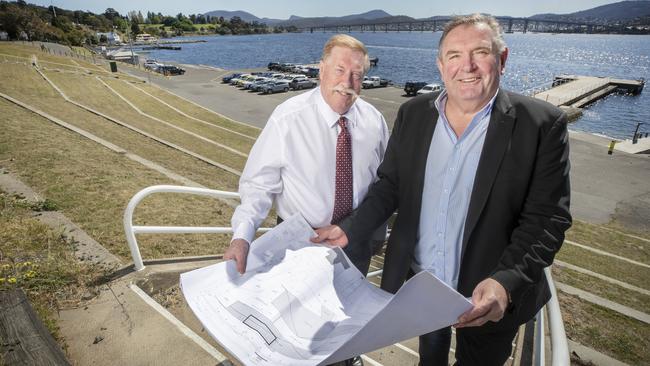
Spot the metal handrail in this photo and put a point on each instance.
(130, 230)
(559, 344)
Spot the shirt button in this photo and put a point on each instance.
(439, 252)
(439, 234)
(445, 190)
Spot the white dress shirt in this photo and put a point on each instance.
(293, 162)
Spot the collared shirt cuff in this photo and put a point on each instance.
(244, 231)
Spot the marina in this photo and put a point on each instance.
(577, 91)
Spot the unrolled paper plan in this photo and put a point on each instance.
(305, 304)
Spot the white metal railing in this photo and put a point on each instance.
(130, 230)
(559, 344)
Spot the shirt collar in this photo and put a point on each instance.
(330, 117)
(481, 117)
(440, 104)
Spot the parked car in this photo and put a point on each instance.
(273, 66)
(302, 83)
(152, 65)
(276, 86)
(286, 66)
(249, 84)
(412, 87)
(234, 80)
(170, 70)
(226, 79)
(258, 85)
(294, 80)
(291, 77)
(429, 88)
(300, 69)
(243, 79)
(312, 72)
(374, 82)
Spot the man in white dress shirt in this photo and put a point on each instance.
(295, 160)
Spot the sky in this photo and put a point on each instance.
(282, 9)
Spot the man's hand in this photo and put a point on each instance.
(238, 251)
(332, 235)
(490, 302)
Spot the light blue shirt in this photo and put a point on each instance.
(448, 181)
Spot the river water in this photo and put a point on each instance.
(533, 61)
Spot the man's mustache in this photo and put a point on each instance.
(342, 89)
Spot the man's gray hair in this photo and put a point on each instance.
(344, 40)
(475, 19)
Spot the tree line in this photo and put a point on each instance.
(21, 20)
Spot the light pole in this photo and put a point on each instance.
(635, 138)
(128, 34)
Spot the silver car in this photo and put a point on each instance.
(276, 86)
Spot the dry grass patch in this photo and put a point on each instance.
(21, 81)
(81, 51)
(26, 51)
(609, 291)
(92, 185)
(612, 242)
(198, 112)
(13, 52)
(29, 87)
(90, 92)
(157, 109)
(610, 267)
(40, 261)
(606, 331)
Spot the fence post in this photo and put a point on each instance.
(635, 137)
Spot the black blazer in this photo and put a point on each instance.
(519, 208)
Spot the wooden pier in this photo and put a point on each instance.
(575, 91)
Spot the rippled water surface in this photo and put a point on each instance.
(534, 60)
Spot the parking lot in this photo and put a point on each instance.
(204, 86)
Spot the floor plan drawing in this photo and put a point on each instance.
(298, 303)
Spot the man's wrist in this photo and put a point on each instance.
(239, 239)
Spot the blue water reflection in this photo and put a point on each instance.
(534, 60)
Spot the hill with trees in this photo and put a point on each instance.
(30, 22)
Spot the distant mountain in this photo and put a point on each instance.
(621, 11)
(624, 11)
(372, 15)
(299, 21)
(245, 16)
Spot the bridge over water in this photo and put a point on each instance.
(509, 25)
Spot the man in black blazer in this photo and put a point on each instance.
(513, 214)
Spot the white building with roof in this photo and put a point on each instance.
(111, 37)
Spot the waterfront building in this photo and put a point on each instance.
(111, 37)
